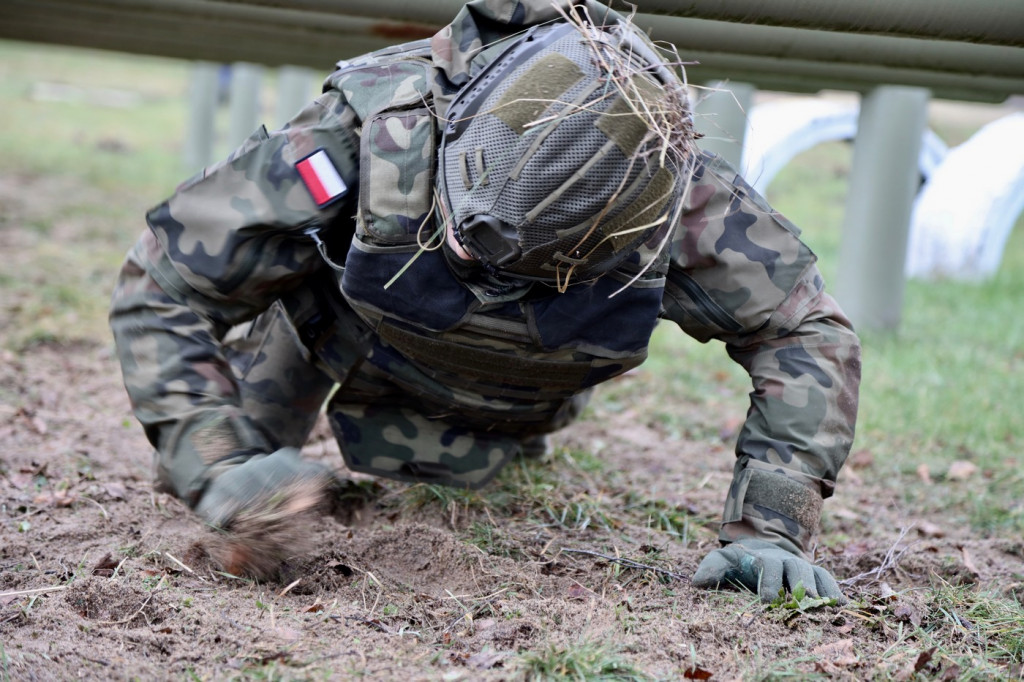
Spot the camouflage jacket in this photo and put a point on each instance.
(244, 234)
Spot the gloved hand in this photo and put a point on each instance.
(259, 505)
(766, 569)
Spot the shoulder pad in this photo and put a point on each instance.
(385, 79)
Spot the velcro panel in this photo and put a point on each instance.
(542, 84)
(785, 496)
(644, 209)
(624, 121)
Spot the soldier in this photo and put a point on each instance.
(451, 246)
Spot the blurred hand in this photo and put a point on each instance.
(765, 569)
(260, 506)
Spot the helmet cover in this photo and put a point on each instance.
(565, 153)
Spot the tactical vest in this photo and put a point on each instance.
(478, 366)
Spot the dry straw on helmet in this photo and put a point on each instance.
(566, 153)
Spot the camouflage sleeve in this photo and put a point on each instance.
(741, 275)
(220, 251)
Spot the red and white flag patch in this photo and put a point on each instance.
(321, 178)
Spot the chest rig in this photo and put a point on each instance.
(477, 366)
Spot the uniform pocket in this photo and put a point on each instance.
(397, 158)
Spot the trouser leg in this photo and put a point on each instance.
(281, 388)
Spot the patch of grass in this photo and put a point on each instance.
(5, 662)
(662, 516)
(981, 631)
(493, 540)
(111, 148)
(997, 508)
(582, 661)
(428, 494)
(947, 384)
(101, 116)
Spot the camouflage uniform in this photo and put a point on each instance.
(245, 305)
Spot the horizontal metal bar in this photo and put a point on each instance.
(824, 46)
(992, 22)
(769, 57)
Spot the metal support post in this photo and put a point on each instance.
(202, 108)
(884, 179)
(294, 90)
(244, 109)
(721, 116)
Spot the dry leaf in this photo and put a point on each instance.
(730, 427)
(578, 592)
(969, 562)
(287, 633)
(20, 480)
(924, 474)
(908, 613)
(845, 514)
(949, 674)
(696, 673)
(862, 459)
(930, 530)
(856, 549)
(105, 566)
(961, 470)
(57, 498)
(485, 660)
(115, 491)
(923, 659)
(837, 653)
(38, 425)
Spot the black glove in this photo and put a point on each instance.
(766, 569)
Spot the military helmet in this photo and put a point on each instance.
(555, 162)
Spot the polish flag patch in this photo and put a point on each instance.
(321, 178)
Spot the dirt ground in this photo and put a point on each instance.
(100, 578)
(572, 567)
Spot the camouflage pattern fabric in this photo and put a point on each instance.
(229, 346)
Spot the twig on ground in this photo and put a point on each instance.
(37, 590)
(106, 516)
(175, 560)
(287, 589)
(628, 563)
(889, 562)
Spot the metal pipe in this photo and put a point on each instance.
(181, 39)
(687, 34)
(992, 22)
(215, 10)
(770, 57)
(857, 77)
(825, 46)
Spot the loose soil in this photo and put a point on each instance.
(102, 578)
